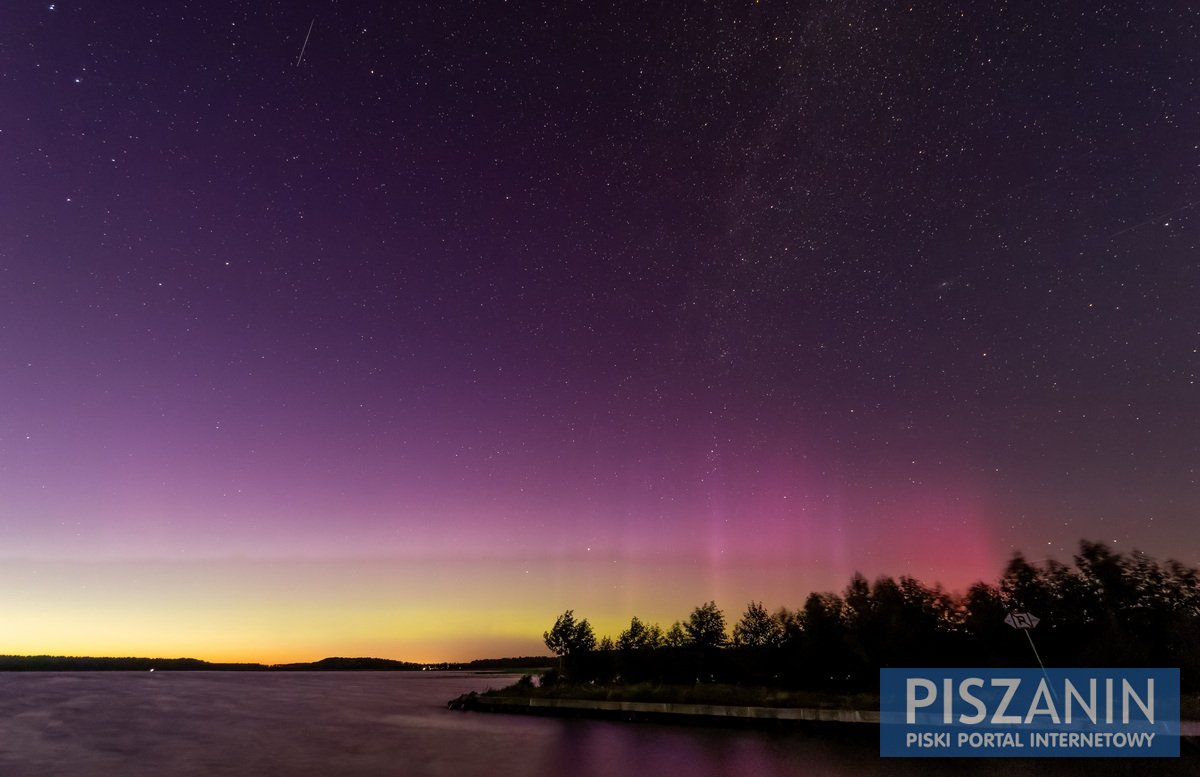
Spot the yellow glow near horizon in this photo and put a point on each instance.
(272, 612)
(281, 611)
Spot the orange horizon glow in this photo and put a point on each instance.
(420, 611)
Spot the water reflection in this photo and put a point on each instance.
(367, 724)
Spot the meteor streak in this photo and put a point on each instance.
(306, 37)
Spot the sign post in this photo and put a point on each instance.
(1027, 622)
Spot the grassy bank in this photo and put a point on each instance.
(735, 695)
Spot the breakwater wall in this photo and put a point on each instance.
(663, 711)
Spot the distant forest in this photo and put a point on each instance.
(1108, 609)
(131, 664)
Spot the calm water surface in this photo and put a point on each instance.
(336, 724)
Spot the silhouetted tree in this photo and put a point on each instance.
(569, 637)
(983, 622)
(1023, 587)
(706, 626)
(857, 599)
(676, 636)
(790, 624)
(1108, 609)
(824, 658)
(757, 628)
(639, 636)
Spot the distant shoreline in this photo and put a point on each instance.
(522, 664)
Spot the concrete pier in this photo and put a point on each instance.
(663, 711)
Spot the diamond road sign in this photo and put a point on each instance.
(1022, 620)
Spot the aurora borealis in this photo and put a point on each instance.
(476, 313)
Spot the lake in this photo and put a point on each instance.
(345, 724)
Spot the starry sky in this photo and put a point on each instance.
(367, 328)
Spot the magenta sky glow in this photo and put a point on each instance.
(473, 316)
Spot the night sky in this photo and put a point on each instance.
(401, 339)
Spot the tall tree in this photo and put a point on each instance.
(676, 636)
(639, 636)
(706, 626)
(570, 637)
(757, 628)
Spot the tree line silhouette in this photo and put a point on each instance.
(1107, 609)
